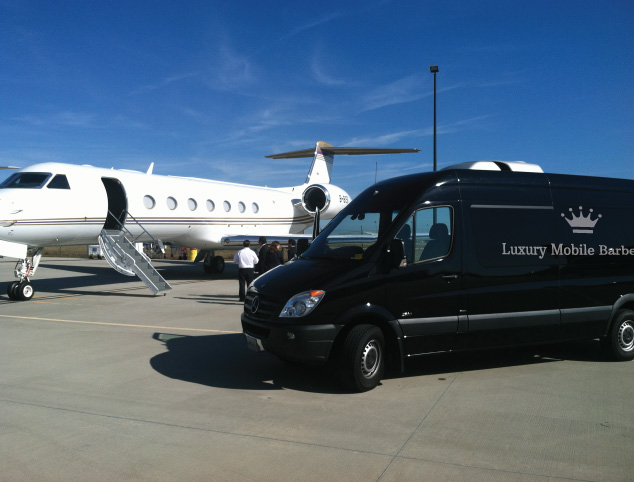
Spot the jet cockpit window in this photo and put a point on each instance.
(59, 182)
(26, 180)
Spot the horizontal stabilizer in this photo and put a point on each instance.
(324, 153)
(332, 151)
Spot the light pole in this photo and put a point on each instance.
(434, 70)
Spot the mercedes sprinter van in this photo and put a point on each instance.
(456, 259)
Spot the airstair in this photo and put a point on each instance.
(119, 249)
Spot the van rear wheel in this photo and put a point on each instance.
(621, 337)
(362, 358)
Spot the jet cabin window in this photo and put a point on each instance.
(59, 182)
(26, 180)
(427, 234)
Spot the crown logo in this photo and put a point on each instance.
(581, 223)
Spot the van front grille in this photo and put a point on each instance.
(264, 308)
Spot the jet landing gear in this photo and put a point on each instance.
(22, 290)
(213, 264)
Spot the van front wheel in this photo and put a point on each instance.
(362, 360)
(621, 337)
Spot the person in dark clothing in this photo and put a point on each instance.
(260, 268)
(274, 256)
(292, 249)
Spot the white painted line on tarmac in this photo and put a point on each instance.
(127, 325)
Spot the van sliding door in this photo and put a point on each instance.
(512, 278)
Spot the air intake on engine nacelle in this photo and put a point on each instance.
(315, 197)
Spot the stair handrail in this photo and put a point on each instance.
(124, 257)
(124, 228)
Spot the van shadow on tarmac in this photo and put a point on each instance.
(224, 361)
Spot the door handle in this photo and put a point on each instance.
(450, 276)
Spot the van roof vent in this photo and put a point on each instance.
(517, 166)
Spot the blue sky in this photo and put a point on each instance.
(208, 88)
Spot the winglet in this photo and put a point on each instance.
(150, 169)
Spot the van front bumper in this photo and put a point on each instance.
(310, 344)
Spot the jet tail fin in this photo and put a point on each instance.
(321, 169)
(323, 158)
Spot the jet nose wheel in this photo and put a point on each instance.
(20, 290)
(12, 290)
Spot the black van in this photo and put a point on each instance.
(454, 260)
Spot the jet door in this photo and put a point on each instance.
(117, 203)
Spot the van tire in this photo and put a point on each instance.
(362, 358)
(621, 336)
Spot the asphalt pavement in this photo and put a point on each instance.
(102, 381)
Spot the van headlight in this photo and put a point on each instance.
(302, 304)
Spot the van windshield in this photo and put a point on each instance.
(352, 234)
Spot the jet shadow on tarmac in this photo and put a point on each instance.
(81, 276)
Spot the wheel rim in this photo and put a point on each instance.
(371, 359)
(626, 336)
(27, 291)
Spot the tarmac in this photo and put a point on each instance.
(101, 381)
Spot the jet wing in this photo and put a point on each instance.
(236, 241)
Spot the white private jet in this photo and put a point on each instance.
(53, 204)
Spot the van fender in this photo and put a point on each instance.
(378, 315)
(627, 299)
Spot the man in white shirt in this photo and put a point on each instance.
(246, 260)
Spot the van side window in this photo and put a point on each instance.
(433, 233)
(427, 234)
(509, 235)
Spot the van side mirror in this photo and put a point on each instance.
(396, 254)
(302, 245)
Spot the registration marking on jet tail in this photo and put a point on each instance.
(127, 325)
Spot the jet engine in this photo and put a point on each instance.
(327, 198)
